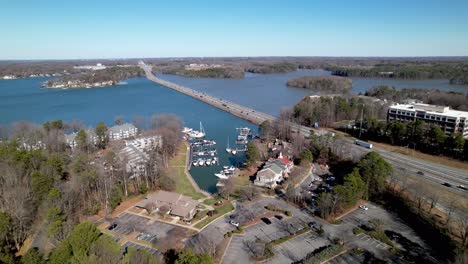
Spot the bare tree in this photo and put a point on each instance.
(229, 187)
(450, 209)
(433, 200)
(118, 120)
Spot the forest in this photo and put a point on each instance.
(322, 84)
(457, 73)
(45, 185)
(457, 101)
(326, 110)
(227, 72)
(283, 67)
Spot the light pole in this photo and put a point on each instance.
(360, 124)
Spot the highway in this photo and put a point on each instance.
(430, 171)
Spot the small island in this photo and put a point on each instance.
(207, 71)
(96, 78)
(327, 84)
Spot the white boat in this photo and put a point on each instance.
(186, 130)
(201, 162)
(225, 167)
(221, 175)
(208, 162)
(195, 163)
(215, 161)
(198, 134)
(234, 152)
(232, 168)
(228, 149)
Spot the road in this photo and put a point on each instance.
(425, 169)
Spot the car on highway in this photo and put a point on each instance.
(447, 184)
(266, 220)
(363, 207)
(234, 223)
(463, 187)
(420, 173)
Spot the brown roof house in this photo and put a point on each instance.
(171, 203)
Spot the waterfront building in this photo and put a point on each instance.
(122, 131)
(449, 120)
(70, 139)
(274, 171)
(135, 154)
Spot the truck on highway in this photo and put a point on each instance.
(363, 144)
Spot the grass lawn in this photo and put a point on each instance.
(176, 170)
(227, 207)
(211, 201)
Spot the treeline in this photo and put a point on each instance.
(456, 73)
(415, 135)
(326, 110)
(86, 244)
(457, 101)
(113, 74)
(367, 180)
(323, 84)
(228, 72)
(283, 67)
(44, 183)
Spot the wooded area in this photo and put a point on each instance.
(41, 176)
(322, 84)
(225, 72)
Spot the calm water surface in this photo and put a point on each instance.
(22, 99)
(268, 92)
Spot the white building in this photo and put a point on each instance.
(70, 139)
(136, 155)
(449, 120)
(122, 131)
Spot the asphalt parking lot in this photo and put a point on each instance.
(128, 223)
(152, 251)
(287, 252)
(390, 220)
(297, 248)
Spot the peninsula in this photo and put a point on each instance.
(96, 78)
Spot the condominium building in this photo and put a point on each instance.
(449, 120)
(122, 131)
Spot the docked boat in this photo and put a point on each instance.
(187, 130)
(221, 175)
(197, 134)
(195, 163)
(228, 149)
(208, 162)
(231, 169)
(233, 151)
(201, 162)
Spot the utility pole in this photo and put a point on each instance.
(360, 125)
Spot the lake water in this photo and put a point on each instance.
(269, 93)
(22, 99)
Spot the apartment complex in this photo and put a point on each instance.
(449, 120)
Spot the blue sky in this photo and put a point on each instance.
(119, 29)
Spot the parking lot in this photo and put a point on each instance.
(390, 220)
(287, 252)
(152, 251)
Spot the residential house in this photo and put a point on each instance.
(171, 203)
(70, 139)
(273, 172)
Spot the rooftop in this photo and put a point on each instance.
(431, 109)
(123, 127)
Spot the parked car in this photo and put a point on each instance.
(310, 185)
(234, 223)
(112, 227)
(447, 184)
(312, 225)
(279, 217)
(363, 207)
(266, 220)
(463, 187)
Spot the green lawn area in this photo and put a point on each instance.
(227, 207)
(211, 201)
(176, 170)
